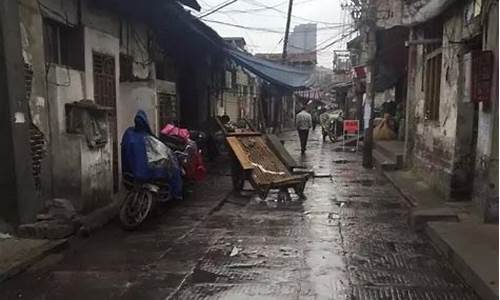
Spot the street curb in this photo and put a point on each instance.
(459, 264)
(410, 200)
(39, 254)
(98, 218)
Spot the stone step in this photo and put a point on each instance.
(392, 150)
(383, 162)
(472, 248)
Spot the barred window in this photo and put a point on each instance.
(433, 56)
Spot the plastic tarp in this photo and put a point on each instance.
(278, 74)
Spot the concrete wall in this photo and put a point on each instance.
(136, 96)
(32, 43)
(389, 13)
(436, 153)
(90, 183)
(486, 162)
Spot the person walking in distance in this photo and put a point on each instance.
(303, 122)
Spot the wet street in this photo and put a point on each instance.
(348, 240)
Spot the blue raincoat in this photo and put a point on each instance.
(135, 160)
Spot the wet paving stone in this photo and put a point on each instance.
(348, 240)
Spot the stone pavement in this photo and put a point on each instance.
(18, 254)
(456, 230)
(348, 240)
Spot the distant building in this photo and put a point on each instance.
(240, 89)
(291, 58)
(303, 39)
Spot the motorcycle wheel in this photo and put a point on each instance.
(331, 133)
(135, 209)
(332, 137)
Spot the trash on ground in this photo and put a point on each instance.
(234, 252)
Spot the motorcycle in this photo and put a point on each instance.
(151, 173)
(332, 125)
(181, 142)
(139, 200)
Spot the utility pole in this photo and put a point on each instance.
(287, 30)
(370, 25)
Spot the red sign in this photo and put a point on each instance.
(482, 75)
(351, 126)
(359, 72)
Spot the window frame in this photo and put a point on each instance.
(68, 47)
(432, 73)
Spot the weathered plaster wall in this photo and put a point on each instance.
(142, 92)
(442, 148)
(62, 11)
(97, 176)
(90, 184)
(34, 59)
(486, 164)
(134, 96)
(134, 41)
(389, 13)
(66, 147)
(435, 140)
(79, 173)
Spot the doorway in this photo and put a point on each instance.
(105, 95)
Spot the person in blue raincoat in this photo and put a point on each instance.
(140, 150)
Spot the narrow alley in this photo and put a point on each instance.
(348, 240)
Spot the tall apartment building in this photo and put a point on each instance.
(303, 39)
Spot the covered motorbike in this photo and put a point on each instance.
(180, 139)
(150, 172)
(332, 124)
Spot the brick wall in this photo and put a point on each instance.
(37, 138)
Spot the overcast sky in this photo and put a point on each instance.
(265, 20)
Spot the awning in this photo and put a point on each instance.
(278, 74)
(342, 85)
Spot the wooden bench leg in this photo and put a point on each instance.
(284, 195)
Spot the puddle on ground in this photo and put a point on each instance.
(202, 276)
(341, 161)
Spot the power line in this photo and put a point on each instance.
(246, 27)
(337, 40)
(259, 4)
(267, 29)
(221, 6)
(251, 10)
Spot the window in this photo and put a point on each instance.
(167, 111)
(63, 44)
(433, 55)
